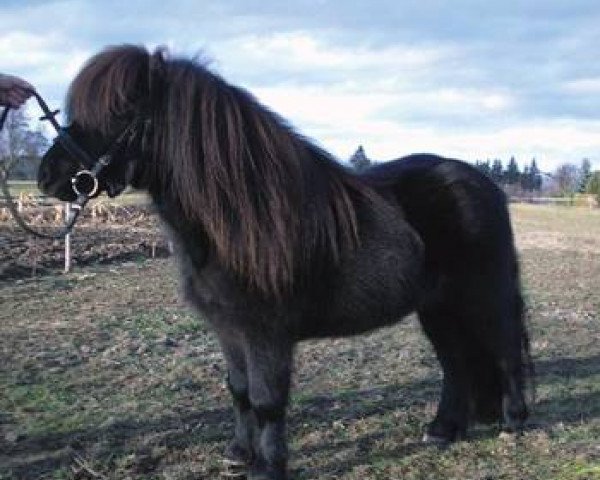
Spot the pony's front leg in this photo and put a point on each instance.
(269, 370)
(239, 454)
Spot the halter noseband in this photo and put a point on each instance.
(84, 183)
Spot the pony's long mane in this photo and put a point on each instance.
(270, 201)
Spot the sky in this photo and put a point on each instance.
(467, 79)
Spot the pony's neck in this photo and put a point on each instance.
(190, 237)
(227, 169)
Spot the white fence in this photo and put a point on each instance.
(580, 200)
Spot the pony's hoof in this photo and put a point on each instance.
(234, 469)
(236, 460)
(514, 429)
(514, 424)
(508, 436)
(260, 472)
(230, 463)
(435, 440)
(265, 476)
(443, 433)
(236, 454)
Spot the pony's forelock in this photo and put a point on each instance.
(108, 87)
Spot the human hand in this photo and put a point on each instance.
(14, 91)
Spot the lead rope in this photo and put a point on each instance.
(76, 206)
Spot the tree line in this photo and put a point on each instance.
(529, 180)
(566, 180)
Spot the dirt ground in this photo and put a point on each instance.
(104, 373)
(105, 233)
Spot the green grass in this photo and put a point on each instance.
(107, 366)
(18, 187)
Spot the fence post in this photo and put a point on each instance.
(68, 239)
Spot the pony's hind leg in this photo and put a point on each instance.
(515, 365)
(450, 422)
(500, 352)
(514, 406)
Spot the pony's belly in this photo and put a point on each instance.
(356, 311)
(378, 286)
(344, 326)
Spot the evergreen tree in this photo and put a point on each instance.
(497, 171)
(531, 178)
(484, 167)
(585, 173)
(526, 180)
(359, 159)
(535, 176)
(512, 174)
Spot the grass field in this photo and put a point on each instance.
(23, 186)
(105, 374)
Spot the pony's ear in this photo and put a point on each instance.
(119, 178)
(157, 69)
(158, 58)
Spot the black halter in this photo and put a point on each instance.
(84, 183)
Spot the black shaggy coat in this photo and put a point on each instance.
(278, 243)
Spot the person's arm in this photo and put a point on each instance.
(14, 91)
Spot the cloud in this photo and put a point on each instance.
(44, 59)
(583, 86)
(299, 50)
(340, 121)
(546, 142)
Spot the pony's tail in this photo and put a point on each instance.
(527, 366)
(502, 383)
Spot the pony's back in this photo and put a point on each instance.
(454, 207)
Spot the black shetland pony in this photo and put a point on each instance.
(278, 243)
